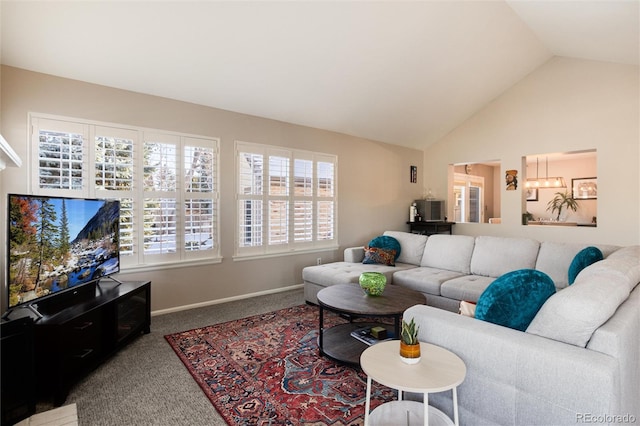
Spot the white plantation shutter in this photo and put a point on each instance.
(303, 221)
(326, 201)
(278, 199)
(127, 230)
(114, 176)
(160, 176)
(250, 189)
(303, 200)
(200, 197)
(167, 184)
(60, 150)
(114, 160)
(296, 211)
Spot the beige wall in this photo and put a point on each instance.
(565, 105)
(373, 178)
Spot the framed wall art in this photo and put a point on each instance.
(584, 188)
(531, 194)
(511, 180)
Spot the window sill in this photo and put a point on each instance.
(169, 265)
(240, 257)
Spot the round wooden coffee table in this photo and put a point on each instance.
(349, 300)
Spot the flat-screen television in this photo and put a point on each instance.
(56, 244)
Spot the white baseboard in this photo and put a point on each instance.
(225, 300)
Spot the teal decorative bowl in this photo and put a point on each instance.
(373, 283)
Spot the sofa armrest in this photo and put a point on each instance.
(354, 254)
(532, 379)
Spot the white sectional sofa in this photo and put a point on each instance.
(578, 361)
(450, 268)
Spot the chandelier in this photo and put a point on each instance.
(545, 182)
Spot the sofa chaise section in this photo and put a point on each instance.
(316, 278)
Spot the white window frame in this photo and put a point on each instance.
(138, 260)
(264, 248)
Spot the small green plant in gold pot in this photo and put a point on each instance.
(409, 344)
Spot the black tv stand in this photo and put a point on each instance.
(32, 313)
(76, 336)
(110, 278)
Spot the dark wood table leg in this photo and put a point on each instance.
(396, 325)
(321, 331)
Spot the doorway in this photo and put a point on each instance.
(468, 193)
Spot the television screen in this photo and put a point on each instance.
(56, 243)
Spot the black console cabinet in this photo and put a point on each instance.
(430, 228)
(74, 339)
(17, 376)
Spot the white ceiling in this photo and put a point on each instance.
(405, 73)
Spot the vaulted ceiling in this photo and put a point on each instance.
(405, 73)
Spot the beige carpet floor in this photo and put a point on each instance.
(147, 384)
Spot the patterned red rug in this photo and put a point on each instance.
(266, 370)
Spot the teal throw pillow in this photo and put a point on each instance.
(514, 299)
(386, 243)
(584, 258)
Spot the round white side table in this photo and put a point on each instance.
(438, 370)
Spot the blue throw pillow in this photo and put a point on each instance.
(387, 243)
(515, 298)
(584, 258)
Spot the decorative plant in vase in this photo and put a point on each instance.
(409, 344)
(562, 200)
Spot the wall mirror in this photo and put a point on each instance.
(561, 189)
(474, 192)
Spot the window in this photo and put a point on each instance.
(166, 183)
(286, 200)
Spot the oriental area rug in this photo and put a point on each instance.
(266, 370)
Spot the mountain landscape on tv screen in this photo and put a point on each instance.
(58, 243)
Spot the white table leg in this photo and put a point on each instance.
(426, 409)
(455, 406)
(367, 404)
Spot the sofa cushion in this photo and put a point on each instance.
(574, 313)
(495, 256)
(373, 255)
(386, 242)
(625, 269)
(412, 246)
(450, 252)
(629, 252)
(347, 272)
(514, 299)
(466, 287)
(582, 259)
(554, 259)
(423, 279)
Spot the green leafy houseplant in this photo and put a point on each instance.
(562, 200)
(409, 333)
(409, 344)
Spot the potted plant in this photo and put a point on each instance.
(562, 200)
(526, 217)
(409, 344)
